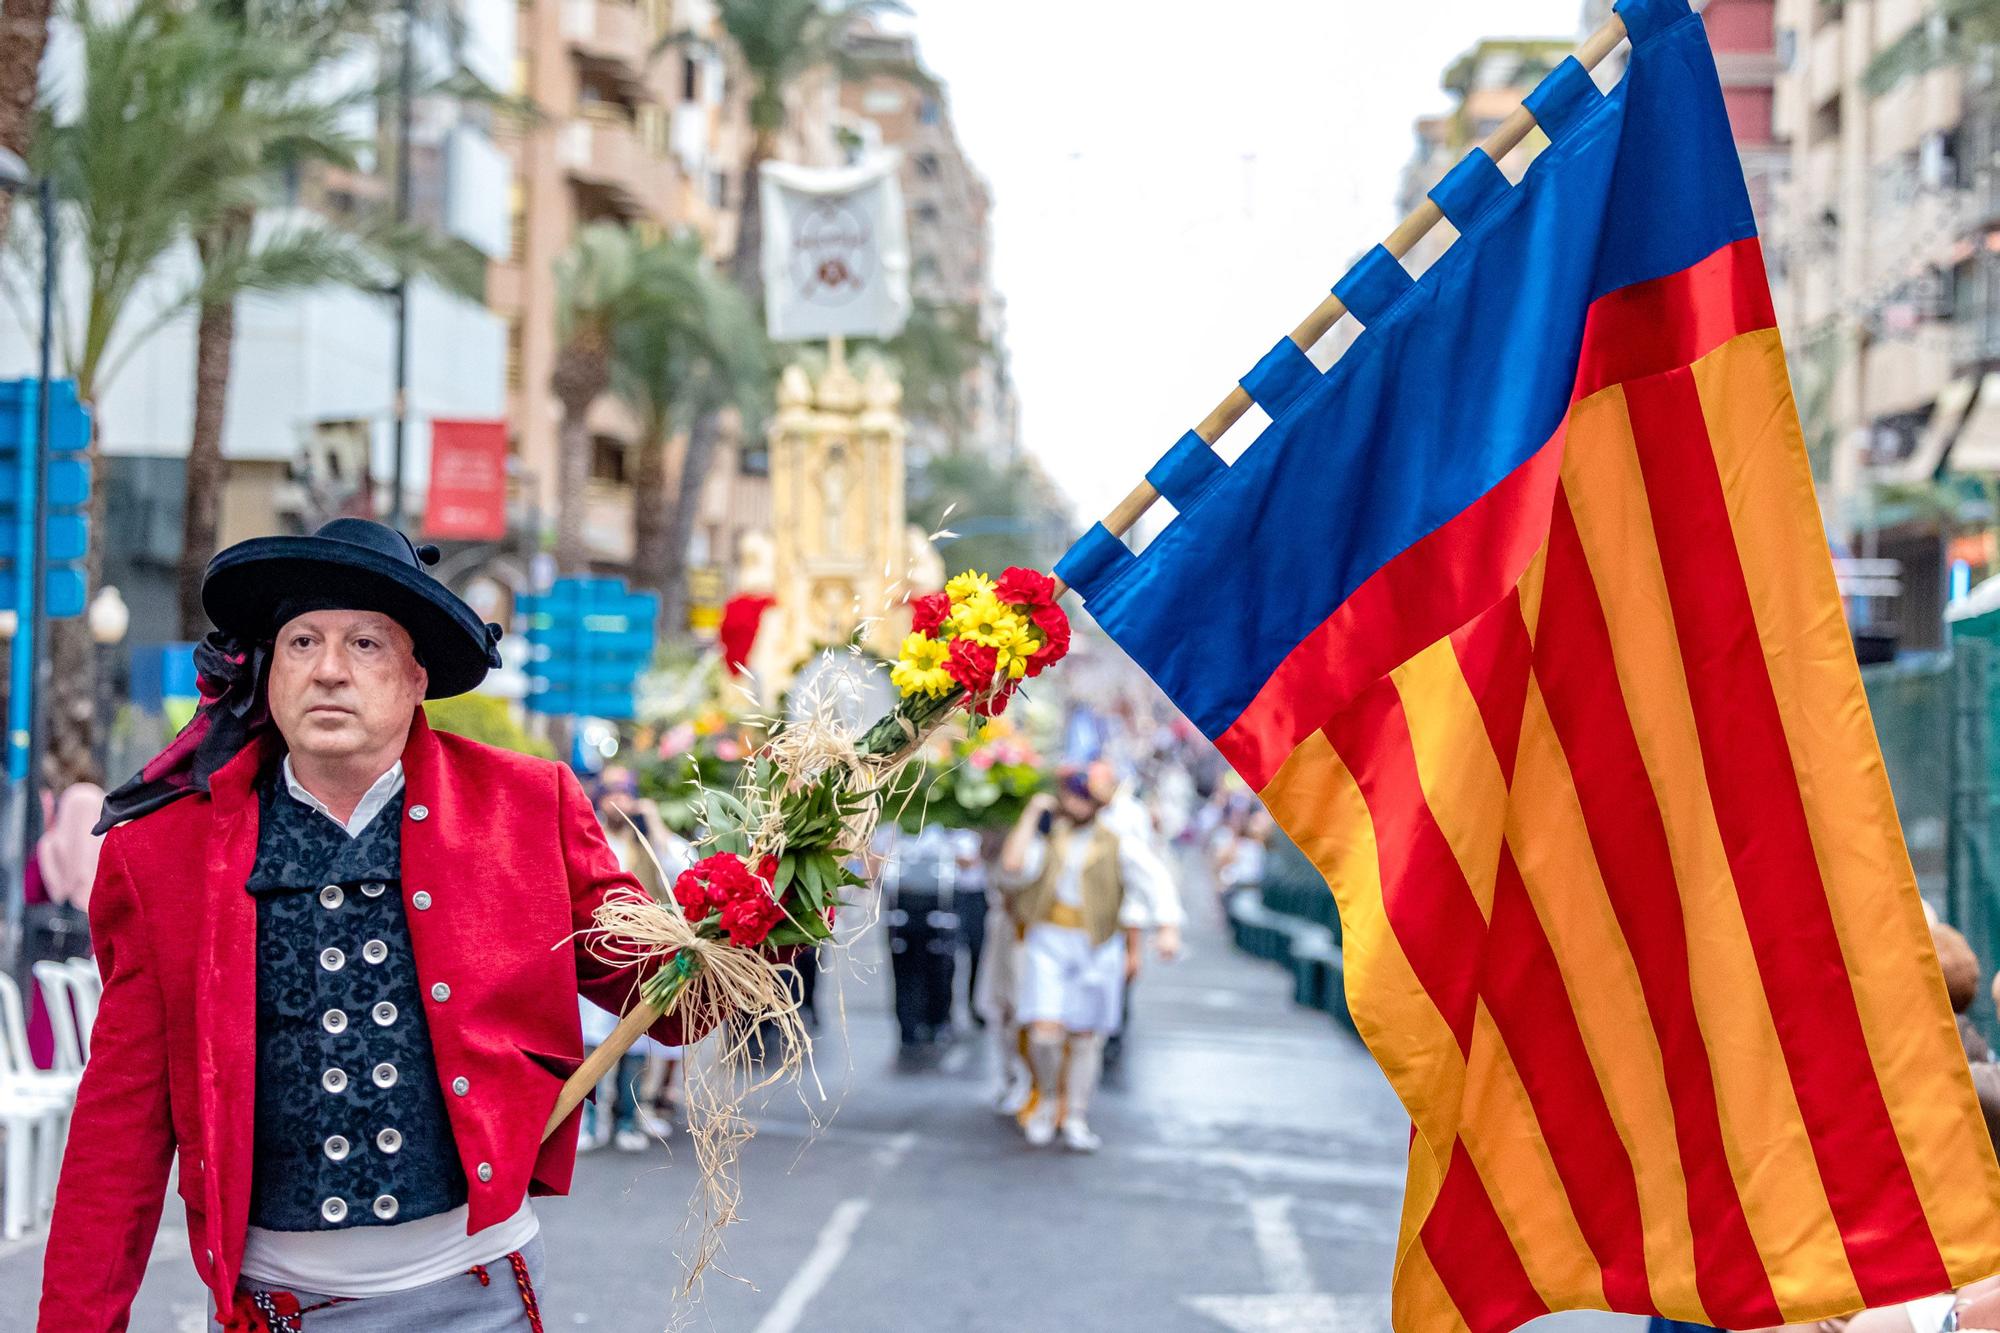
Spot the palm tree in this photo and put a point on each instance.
(24, 35)
(604, 282)
(781, 41)
(305, 37)
(151, 160)
(695, 348)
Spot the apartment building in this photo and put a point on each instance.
(1486, 84)
(641, 118)
(309, 417)
(950, 234)
(1883, 232)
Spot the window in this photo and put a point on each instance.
(927, 165)
(690, 79)
(514, 373)
(929, 112)
(927, 214)
(517, 216)
(607, 459)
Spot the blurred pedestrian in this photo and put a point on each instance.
(1084, 901)
(641, 1095)
(58, 879)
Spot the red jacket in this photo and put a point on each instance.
(511, 856)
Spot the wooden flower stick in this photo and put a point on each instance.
(1327, 313)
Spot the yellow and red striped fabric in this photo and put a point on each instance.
(1628, 920)
(1522, 622)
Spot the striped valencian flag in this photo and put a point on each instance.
(1521, 621)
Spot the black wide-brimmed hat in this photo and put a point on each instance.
(252, 589)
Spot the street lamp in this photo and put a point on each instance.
(107, 618)
(24, 717)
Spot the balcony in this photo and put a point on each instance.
(607, 521)
(605, 156)
(612, 39)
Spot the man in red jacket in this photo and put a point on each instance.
(338, 971)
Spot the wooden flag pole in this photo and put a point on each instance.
(602, 1061)
(1398, 243)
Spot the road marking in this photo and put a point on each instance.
(1278, 1314)
(891, 1154)
(1283, 1254)
(827, 1252)
(1294, 1305)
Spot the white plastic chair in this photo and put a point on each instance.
(34, 1106)
(88, 990)
(58, 986)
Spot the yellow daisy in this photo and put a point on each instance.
(920, 667)
(969, 584)
(986, 619)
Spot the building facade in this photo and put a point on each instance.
(950, 235)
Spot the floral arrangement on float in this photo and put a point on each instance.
(978, 782)
(780, 851)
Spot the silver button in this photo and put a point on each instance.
(461, 1085)
(374, 951)
(440, 992)
(384, 1014)
(421, 901)
(333, 1210)
(331, 897)
(334, 1080)
(389, 1140)
(334, 1020)
(485, 1171)
(385, 1206)
(332, 959)
(384, 1075)
(372, 890)
(336, 1148)
(420, 813)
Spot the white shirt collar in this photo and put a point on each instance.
(372, 800)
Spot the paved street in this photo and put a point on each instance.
(1250, 1181)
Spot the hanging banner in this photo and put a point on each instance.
(836, 250)
(468, 492)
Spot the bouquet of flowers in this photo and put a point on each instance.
(780, 854)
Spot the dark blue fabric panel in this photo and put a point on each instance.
(1647, 19)
(1277, 380)
(1466, 378)
(1563, 99)
(1469, 189)
(1373, 285)
(1186, 470)
(1097, 558)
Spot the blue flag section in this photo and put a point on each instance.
(590, 639)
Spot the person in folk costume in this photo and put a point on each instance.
(1088, 891)
(338, 964)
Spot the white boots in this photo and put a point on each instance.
(1066, 1072)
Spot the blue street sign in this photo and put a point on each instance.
(589, 639)
(65, 528)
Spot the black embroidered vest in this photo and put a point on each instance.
(351, 1127)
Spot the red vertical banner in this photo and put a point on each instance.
(468, 492)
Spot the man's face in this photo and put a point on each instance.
(1080, 809)
(344, 683)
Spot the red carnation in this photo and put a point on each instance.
(929, 611)
(749, 918)
(994, 704)
(692, 895)
(1025, 587)
(1054, 626)
(972, 665)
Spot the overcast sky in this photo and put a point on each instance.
(1178, 182)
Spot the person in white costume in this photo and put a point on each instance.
(1089, 889)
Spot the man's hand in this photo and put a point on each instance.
(1167, 943)
(1134, 953)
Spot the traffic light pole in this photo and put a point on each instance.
(406, 82)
